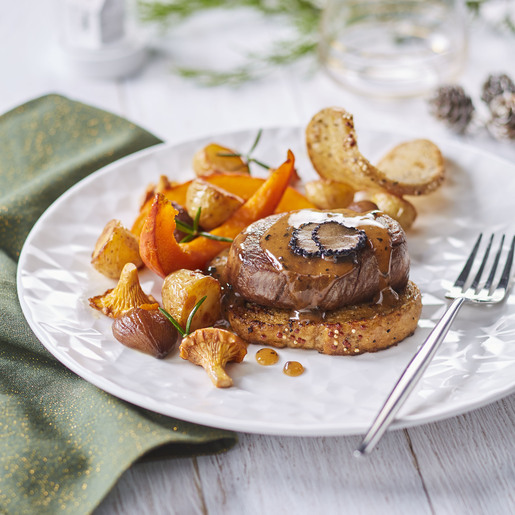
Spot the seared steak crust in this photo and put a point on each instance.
(262, 268)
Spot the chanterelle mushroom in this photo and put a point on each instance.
(126, 295)
(212, 348)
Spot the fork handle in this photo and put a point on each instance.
(409, 379)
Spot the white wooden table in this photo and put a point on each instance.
(461, 465)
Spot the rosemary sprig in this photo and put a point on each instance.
(247, 158)
(193, 231)
(186, 331)
(303, 15)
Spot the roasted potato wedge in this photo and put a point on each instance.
(216, 204)
(214, 158)
(164, 184)
(115, 247)
(182, 290)
(417, 166)
(397, 207)
(333, 149)
(327, 194)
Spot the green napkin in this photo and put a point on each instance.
(64, 442)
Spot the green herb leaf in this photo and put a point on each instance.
(215, 237)
(193, 232)
(184, 227)
(192, 313)
(304, 15)
(196, 220)
(186, 331)
(247, 158)
(256, 141)
(174, 322)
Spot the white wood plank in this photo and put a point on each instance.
(468, 462)
(267, 474)
(159, 487)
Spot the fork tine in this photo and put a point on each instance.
(476, 280)
(460, 281)
(490, 279)
(506, 273)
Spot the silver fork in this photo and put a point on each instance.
(483, 294)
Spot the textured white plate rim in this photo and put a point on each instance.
(327, 429)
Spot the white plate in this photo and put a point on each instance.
(335, 395)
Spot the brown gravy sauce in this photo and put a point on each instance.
(276, 240)
(267, 356)
(293, 368)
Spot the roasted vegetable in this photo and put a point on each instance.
(214, 158)
(416, 166)
(327, 194)
(127, 294)
(212, 348)
(164, 184)
(146, 330)
(243, 186)
(115, 247)
(163, 254)
(181, 216)
(333, 149)
(183, 289)
(216, 204)
(362, 206)
(398, 208)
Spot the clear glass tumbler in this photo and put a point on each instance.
(393, 48)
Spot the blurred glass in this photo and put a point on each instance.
(393, 48)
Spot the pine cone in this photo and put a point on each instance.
(453, 106)
(502, 123)
(496, 85)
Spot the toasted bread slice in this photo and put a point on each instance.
(346, 331)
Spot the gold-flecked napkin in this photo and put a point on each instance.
(64, 442)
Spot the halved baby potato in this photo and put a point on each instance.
(398, 208)
(216, 204)
(214, 158)
(328, 194)
(183, 289)
(115, 247)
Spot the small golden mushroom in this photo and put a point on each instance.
(212, 348)
(127, 294)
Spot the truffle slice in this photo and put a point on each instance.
(327, 239)
(337, 240)
(302, 242)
